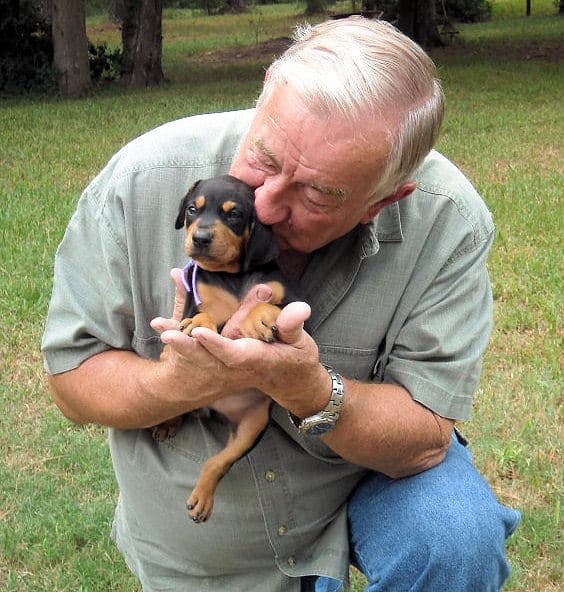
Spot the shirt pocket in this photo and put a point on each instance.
(355, 363)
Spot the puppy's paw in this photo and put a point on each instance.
(260, 323)
(200, 505)
(202, 319)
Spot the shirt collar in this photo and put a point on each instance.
(386, 227)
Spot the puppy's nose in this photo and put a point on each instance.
(202, 238)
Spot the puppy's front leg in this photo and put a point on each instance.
(202, 319)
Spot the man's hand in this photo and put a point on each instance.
(161, 324)
(287, 370)
(185, 358)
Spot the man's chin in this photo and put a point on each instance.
(282, 243)
(285, 244)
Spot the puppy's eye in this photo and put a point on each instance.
(234, 214)
(191, 210)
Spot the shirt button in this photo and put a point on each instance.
(292, 561)
(270, 476)
(282, 530)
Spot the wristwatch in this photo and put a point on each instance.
(326, 419)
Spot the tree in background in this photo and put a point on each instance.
(141, 34)
(316, 6)
(26, 49)
(418, 20)
(70, 47)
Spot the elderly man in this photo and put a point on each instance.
(387, 242)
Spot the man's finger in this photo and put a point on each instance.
(179, 295)
(230, 352)
(258, 293)
(291, 321)
(161, 324)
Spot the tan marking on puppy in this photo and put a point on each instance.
(217, 303)
(260, 323)
(253, 422)
(202, 319)
(200, 201)
(278, 292)
(227, 206)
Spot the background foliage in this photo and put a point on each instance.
(26, 46)
(26, 50)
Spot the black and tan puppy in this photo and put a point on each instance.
(230, 252)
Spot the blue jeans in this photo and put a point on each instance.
(440, 530)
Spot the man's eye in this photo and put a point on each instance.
(259, 162)
(268, 166)
(317, 205)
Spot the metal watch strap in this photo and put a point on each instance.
(326, 419)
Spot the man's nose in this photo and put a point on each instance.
(272, 202)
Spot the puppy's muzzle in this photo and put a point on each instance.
(202, 238)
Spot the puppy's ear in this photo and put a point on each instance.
(181, 217)
(261, 247)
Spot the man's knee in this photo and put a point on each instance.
(441, 530)
(461, 549)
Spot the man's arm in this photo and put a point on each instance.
(381, 427)
(119, 389)
(122, 390)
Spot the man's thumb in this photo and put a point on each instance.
(291, 321)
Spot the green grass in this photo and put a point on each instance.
(504, 127)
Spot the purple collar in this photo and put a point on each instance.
(190, 283)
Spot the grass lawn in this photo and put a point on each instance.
(504, 84)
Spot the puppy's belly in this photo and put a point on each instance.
(235, 407)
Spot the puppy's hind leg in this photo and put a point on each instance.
(254, 422)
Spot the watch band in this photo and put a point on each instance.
(327, 418)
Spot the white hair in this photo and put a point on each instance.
(362, 70)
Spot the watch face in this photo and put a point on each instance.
(321, 427)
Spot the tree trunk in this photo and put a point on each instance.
(236, 6)
(418, 20)
(70, 46)
(142, 39)
(316, 7)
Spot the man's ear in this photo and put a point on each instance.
(402, 191)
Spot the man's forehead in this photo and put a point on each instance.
(323, 186)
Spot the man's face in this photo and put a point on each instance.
(313, 177)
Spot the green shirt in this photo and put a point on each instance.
(405, 300)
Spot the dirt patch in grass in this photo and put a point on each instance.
(545, 50)
(258, 52)
(551, 50)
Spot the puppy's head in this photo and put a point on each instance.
(222, 230)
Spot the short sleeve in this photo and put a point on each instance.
(91, 308)
(112, 269)
(438, 352)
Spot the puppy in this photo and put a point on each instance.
(230, 251)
